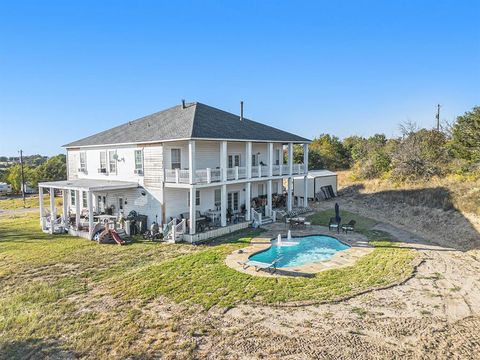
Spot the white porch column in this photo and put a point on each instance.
(269, 196)
(90, 213)
(223, 205)
(77, 208)
(191, 161)
(40, 199)
(305, 179)
(289, 194)
(193, 209)
(270, 159)
(290, 159)
(53, 214)
(248, 200)
(65, 206)
(248, 158)
(223, 160)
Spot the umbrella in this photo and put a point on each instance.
(337, 213)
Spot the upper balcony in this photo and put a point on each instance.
(209, 175)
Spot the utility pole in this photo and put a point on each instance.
(23, 177)
(438, 117)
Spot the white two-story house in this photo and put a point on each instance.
(187, 162)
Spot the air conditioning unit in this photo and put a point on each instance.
(138, 172)
(102, 170)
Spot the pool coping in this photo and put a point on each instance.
(358, 243)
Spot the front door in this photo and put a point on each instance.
(101, 202)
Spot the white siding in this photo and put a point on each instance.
(207, 154)
(167, 147)
(73, 164)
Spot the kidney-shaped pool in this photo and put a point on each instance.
(300, 251)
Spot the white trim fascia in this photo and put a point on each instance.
(186, 139)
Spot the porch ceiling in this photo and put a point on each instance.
(89, 185)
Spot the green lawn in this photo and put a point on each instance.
(363, 224)
(30, 202)
(63, 294)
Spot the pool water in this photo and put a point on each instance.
(301, 251)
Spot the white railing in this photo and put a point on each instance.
(270, 212)
(209, 175)
(276, 170)
(257, 217)
(242, 172)
(263, 170)
(168, 230)
(231, 173)
(216, 175)
(179, 229)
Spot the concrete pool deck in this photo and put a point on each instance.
(358, 243)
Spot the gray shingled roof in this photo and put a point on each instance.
(196, 121)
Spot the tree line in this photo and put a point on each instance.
(417, 154)
(36, 169)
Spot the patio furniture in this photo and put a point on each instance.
(350, 226)
(334, 224)
(297, 222)
(270, 267)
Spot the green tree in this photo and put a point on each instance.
(53, 169)
(465, 143)
(14, 177)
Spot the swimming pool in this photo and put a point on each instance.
(300, 251)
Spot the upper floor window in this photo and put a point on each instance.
(103, 162)
(176, 159)
(112, 161)
(83, 162)
(139, 162)
(233, 160)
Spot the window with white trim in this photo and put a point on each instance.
(232, 201)
(176, 158)
(103, 162)
(72, 197)
(197, 198)
(139, 162)
(233, 160)
(112, 161)
(254, 159)
(83, 161)
(277, 157)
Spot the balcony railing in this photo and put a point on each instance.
(207, 176)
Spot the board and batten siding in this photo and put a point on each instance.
(153, 166)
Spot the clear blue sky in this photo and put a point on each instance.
(69, 69)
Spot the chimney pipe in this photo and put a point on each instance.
(241, 110)
(183, 103)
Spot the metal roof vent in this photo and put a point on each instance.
(241, 110)
(183, 104)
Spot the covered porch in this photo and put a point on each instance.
(73, 219)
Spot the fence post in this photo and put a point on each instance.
(259, 170)
(236, 172)
(209, 175)
(177, 175)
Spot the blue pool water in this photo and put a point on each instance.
(308, 249)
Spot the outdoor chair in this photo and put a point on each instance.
(334, 224)
(350, 226)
